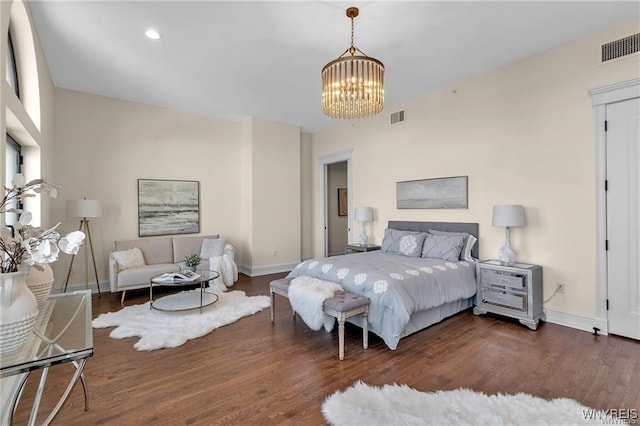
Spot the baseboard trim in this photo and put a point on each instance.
(576, 320)
(266, 270)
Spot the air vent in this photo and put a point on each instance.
(623, 47)
(397, 117)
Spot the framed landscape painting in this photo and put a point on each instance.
(438, 193)
(168, 207)
(343, 202)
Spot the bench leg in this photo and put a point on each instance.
(273, 302)
(365, 328)
(341, 319)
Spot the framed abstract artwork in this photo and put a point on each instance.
(168, 207)
(438, 193)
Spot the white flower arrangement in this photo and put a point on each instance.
(26, 245)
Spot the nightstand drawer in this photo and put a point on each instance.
(512, 290)
(507, 280)
(507, 300)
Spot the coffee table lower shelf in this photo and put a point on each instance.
(184, 301)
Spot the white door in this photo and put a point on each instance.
(623, 224)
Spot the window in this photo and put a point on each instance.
(13, 166)
(12, 68)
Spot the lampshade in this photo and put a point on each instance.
(508, 215)
(84, 208)
(364, 214)
(353, 85)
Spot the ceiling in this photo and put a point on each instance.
(238, 59)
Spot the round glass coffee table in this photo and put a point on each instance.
(184, 300)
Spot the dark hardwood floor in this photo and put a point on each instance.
(255, 372)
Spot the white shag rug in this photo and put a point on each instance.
(159, 329)
(397, 405)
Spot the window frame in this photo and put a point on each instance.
(14, 145)
(11, 57)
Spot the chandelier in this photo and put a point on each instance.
(352, 85)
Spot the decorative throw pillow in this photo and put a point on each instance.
(406, 243)
(127, 259)
(445, 247)
(212, 248)
(467, 244)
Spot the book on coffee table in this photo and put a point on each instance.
(182, 276)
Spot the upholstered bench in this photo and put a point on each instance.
(342, 306)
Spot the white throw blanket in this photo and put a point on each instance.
(306, 295)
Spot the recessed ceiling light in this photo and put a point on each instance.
(153, 34)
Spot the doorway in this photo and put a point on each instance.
(617, 111)
(337, 204)
(337, 208)
(623, 232)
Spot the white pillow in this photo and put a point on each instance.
(212, 247)
(127, 259)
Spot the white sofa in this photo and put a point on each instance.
(166, 254)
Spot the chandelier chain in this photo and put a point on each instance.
(351, 31)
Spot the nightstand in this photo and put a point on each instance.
(514, 291)
(357, 248)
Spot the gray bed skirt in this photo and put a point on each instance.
(423, 319)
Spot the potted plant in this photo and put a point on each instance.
(191, 261)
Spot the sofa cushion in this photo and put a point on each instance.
(127, 259)
(155, 250)
(212, 247)
(139, 277)
(184, 246)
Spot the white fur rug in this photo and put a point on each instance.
(306, 295)
(398, 405)
(159, 329)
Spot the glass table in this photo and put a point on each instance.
(62, 334)
(184, 300)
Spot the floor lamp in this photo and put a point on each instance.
(84, 209)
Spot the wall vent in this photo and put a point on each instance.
(623, 47)
(397, 117)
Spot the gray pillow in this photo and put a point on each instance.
(406, 243)
(445, 247)
(467, 244)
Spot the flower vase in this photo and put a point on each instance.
(40, 281)
(18, 311)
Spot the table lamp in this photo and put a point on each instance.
(507, 215)
(84, 209)
(364, 215)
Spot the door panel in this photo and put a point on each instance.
(623, 208)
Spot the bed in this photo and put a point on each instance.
(408, 292)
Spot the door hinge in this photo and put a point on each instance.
(606, 125)
(607, 304)
(606, 245)
(606, 185)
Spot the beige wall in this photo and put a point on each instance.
(104, 145)
(306, 196)
(523, 134)
(275, 195)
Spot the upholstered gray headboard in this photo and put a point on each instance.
(471, 228)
